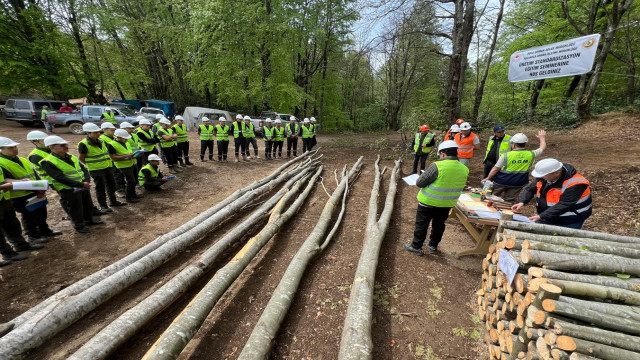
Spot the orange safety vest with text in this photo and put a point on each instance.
(581, 209)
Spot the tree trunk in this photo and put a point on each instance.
(563, 231)
(599, 350)
(597, 291)
(610, 281)
(606, 251)
(586, 264)
(533, 102)
(631, 312)
(356, 341)
(463, 22)
(611, 338)
(589, 316)
(576, 242)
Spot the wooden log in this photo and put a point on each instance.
(558, 354)
(513, 327)
(543, 349)
(493, 335)
(626, 311)
(565, 240)
(578, 356)
(587, 264)
(582, 251)
(546, 292)
(492, 269)
(612, 281)
(520, 282)
(587, 315)
(563, 231)
(602, 351)
(590, 333)
(597, 291)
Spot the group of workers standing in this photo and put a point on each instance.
(563, 196)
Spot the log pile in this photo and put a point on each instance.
(576, 294)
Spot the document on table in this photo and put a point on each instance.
(475, 206)
(31, 185)
(411, 179)
(488, 215)
(465, 197)
(521, 218)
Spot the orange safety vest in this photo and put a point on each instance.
(581, 207)
(465, 146)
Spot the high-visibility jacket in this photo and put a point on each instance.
(268, 133)
(74, 172)
(4, 194)
(20, 172)
(110, 118)
(123, 149)
(134, 141)
(515, 168)
(222, 133)
(141, 140)
(504, 146)
(106, 139)
(182, 133)
(307, 132)
(425, 141)
(446, 189)
(278, 134)
(248, 131)
(289, 132)
(577, 212)
(36, 166)
(97, 158)
(206, 132)
(153, 171)
(238, 128)
(465, 145)
(166, 143)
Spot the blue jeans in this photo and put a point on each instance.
(577, 225)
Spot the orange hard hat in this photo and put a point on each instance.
(424, 128)
(459, 121)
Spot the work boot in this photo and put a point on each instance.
(432, 249)
(244, 157)
(5, 262)
(132, 200)
(37, 240)
(98, 212)
(105, 209)
(180, 163)
(83, 230)
(248, 157)
(93, 222)
(410, 248)
(11, 255)
(236, 158)
(117, 203)
(50, 232)
(29, 247)
(187, 162)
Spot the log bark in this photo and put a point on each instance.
(125, 326)
(579, 356)
(356, 341)
(58, 315)
(577, 242)
(89, 281)
(590, 333)
(563, 231)
(261, 339)
(611, 281)
(631, 312)
(587, 264)
(602, 351)
(597, 291)
(589, 316)
(584, 251)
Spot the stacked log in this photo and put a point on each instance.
(576, 294)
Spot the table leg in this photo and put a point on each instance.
(482, 240)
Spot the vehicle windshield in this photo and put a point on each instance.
(126, 111)
(153, 111)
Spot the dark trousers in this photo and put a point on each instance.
(314, 142)
(292, 143)
(251, 141)
(117, 176)
(171, 154)
(424, 216)
(131, 180)
(153, 187)
(104, 184)
(240, 145)
(208, 144)
(34, 222)
(182, 151)
(10, 227)
(163, 156)
(487, 168)
(422, 159)
(277, 146)
(307, 144)
(79, 204)
(267, 149)
(223, 148)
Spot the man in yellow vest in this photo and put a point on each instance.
(94, 154)
(307, 135)
(168, 144)
(108, 130)
(278, 139)
(182, 148)
(146, 139)
(221, 133)
(122, 155)
(238, 138)
(71, 180)
(422, 144)
(314, 141)
(441, 185)
(34, 221)
(511, 172)
(109, 116)
(43, 117)
(292, 129)
(11, 227)
(134, 141)
(150, 176)
(205, 130)
(498, 145)
(267, 132)
(250, 138)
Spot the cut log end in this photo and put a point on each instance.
(566, 343)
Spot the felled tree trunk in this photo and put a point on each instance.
(601, 351)
(611, 281)
(563, 231)
(611, 338)
(576, 242)
(587, 264)
(587, 315)
(626, 311)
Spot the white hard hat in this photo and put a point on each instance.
(154, 157)
(313, 119)
(144, 121)
(455, 128)
(6, 142)
(178, 117)
(159, 116)
(465, 126)
(239, 116)
(107, 125)
(546, 167)
(90, 127)
(306, 120)
(165, 121)
(247, 118)
(122, 133)
(54, 140)
(140, 118)
(519, 138)
(222, 118)
(36, 135)
(268, 120)
(108, 109)
(278, 121)
(125, 125)
(449, 144)
(292, 118)
(204, 118)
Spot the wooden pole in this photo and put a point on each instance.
(563, 231)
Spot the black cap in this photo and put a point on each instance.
(498, 128)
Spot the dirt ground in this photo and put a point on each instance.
(423, 305)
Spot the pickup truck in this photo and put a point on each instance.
(89, 113)
(150, 112)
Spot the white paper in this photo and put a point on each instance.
(521, 218)
(411, 179)
(508, 265)
(465, 197)
(488, 214)
(31, 185)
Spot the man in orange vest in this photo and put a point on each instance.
(448, 135)
(467, 142)
(563, 196)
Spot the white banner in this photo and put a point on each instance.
(565, 58)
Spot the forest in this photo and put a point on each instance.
(354, 65)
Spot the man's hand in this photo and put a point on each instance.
(86, 185)
(535, 218)
(484, 180)
(6, 186)
(517, 206)
(541, 134)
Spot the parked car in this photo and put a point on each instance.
(2, 104)
(275, 116)
(28, 111)
(193, 116)
(150, 112)
(257, 124)
(129, 107)
(90, 113)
